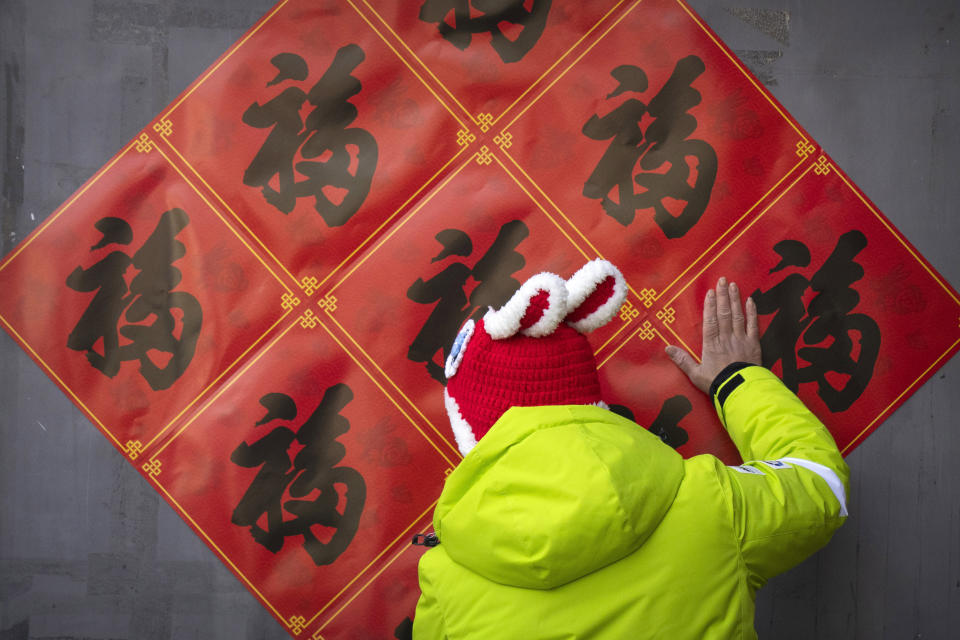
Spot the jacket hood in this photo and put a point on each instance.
(551, 494)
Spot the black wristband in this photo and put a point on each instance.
(725, 375)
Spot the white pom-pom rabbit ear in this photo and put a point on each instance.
(535, 310)
(594, 294)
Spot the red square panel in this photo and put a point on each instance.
(313, 132)
(302, 474)
(642, 383)
(467, 247)
(852, 318)
(487, 56)
(656, 143)
(384, 606)
(137, 296)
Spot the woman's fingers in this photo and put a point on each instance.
(724, 316)
(736, 310)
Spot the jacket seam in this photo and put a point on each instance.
(741, 562)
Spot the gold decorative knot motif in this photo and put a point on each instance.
(297, 623)
(328, 304)
(164, 127)
(646, 331)
(647, 296)
(152, 468)
(464, 137)
(144, 144)
(805, 148)
(133, 448)
(485, 120)
(667, 315)
(628, 312)
(822, 167)
(309, 284)
(485, 156)
(309, 320)
(504, 140)
(289, 301)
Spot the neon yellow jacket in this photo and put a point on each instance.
(572, 522)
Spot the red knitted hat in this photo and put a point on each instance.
(532, 351)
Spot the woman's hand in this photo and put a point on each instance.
(728, 336)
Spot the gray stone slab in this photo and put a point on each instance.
(88, 550)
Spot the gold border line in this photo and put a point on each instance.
(620, 346)
(50, 219)
(740, 234)
(377, 231)
(426, 68)
(520, 98)
(572, 65)
(236, 46)
(236, 217)
(382, 390)
(359, 575)
(366, 355)
(733, 226)
(743, 70)
(412, 70)
(896, 234)
(229, 383)
(386, 566)
(56, 378)
(542, 209)
(910, 386)
(559, 60)
(227, 370)
(190, 403)
(185, 513)
(403, 221)
(223, 556)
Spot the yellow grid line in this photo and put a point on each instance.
(227, 56)
(359, 575)
(412, 70)
(386, 566)
(897, 399)
(572, 65)
(739, 235)
(222, 374)
(896, 235)
(376, 231)
(36, 234)
(402, 222)
(216, 548)
(382, 390)
(239, 374)
(222, 219)
(394, 385)
(233, 213)
(49, 369)
(742, 70)
(525, 92)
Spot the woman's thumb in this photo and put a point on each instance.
(680, 358)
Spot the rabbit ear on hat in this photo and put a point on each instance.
(535, 310)
(594, 294)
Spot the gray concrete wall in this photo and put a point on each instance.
(87, 548)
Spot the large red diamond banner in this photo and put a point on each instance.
(254, 299)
